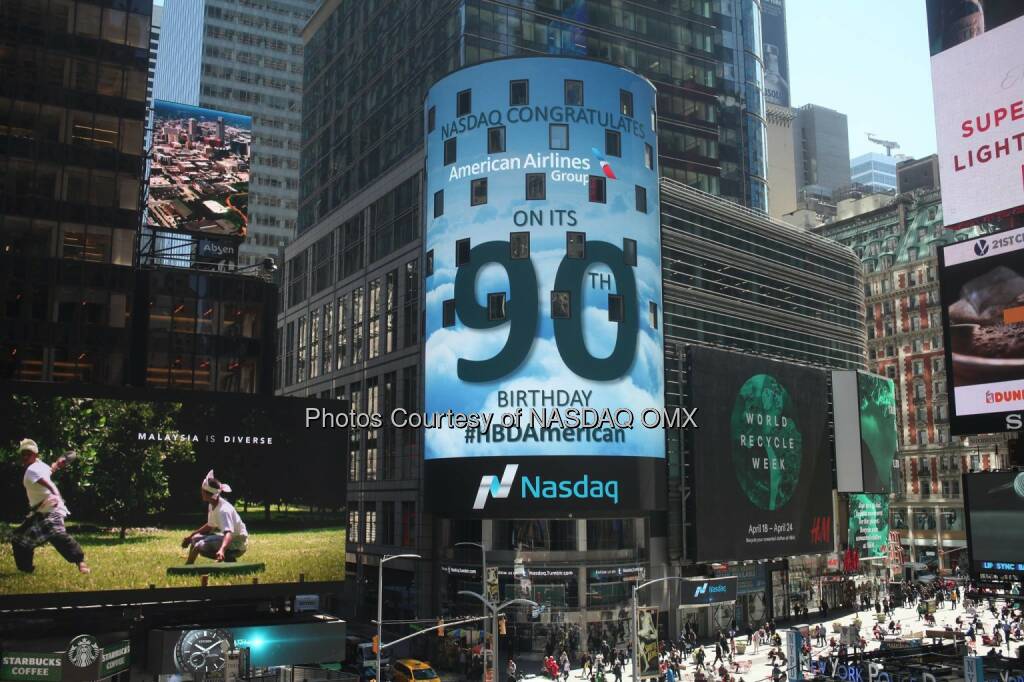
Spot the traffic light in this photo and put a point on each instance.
(376, 645)
(440, 628)
(501, 626)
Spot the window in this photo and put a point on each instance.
(649, 156)
(370, 526)
(652, 311)
(448, 313)
(918, 367)
(462, 249)
(463, 102)
(449, 151)
(629, 251)
(496, 140)
(431, 119)
(518, 93)
(353, 525)
(535, 188)
(496, 306)
(373, 327)
(519, 245)
(626, 103)
(641, 199)
(560, 305)
(558, 136)
(890, 372)
(616, 309)
(439, 203)
(597, 192)
(575, 245)
(574, 93)
(612, 143)
(478, 192)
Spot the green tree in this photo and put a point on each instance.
(129, 478)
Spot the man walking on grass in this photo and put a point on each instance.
(45, 520)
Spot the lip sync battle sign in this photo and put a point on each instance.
(543, 313)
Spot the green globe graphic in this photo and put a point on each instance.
(767, 446)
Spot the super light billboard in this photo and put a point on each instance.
(543, 291)
(199, 171)
(982, 290)
(109, 493)
(762, 457)
(994, 502)
(979, 114)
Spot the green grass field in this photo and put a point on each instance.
(142, 559)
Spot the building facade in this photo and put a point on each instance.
(72, 121)
(897, 245)
(245, 58)
(781, 161)
(875, 171)
(822, 146)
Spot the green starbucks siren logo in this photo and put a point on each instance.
(766, 444)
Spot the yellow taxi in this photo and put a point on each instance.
(411, 670)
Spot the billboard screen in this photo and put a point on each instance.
(879, 437)
(762, 446)
(199, 173)
(776, 52)
(159, 490)
(994, 502)
(982, 288)
(543, 293)
(979, 121)
(869, 524)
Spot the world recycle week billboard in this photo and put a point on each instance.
(543, 295)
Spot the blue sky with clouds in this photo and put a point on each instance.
(869, 60)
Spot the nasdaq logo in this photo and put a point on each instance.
(497, 488)
(709, 590)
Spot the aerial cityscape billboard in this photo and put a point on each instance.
(199, 173)
(776, 52)
(982, 292)
(543, 289)
(762, 457)
(994, 503)
(165, 491)
(979, 121)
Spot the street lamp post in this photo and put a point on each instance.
(380, 602)
(483, 588)
(495, 610)
(636, 621)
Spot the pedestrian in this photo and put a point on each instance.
(617, 669)
(47, 511)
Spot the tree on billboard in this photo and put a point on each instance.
(129, 477)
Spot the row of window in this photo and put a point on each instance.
(519, 95)
(536, 190)
(84, 19)
(377, 524)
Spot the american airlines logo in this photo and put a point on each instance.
(498, 488)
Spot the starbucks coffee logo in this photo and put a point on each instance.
(767, 446)
(83, 651)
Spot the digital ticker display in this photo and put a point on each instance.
(543, 293)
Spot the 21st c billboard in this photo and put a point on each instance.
(762, 457)
(543, 288)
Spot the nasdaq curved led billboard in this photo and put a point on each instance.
(543, 294)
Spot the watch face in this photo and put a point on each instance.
(202, 650)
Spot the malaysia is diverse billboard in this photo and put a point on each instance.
(762, 457)
(869, 524)
(105, 491)
(776, 52)
(199, 172)
(994, 502)
(982, 291)
(543, 291)
(979, 112)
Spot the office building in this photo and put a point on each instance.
(918, 174)
(874, 171)
(822, 148)
(245, 58)
(72, 119)
(154, 47)
(897, 244)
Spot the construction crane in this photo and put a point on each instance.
(888, 144)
